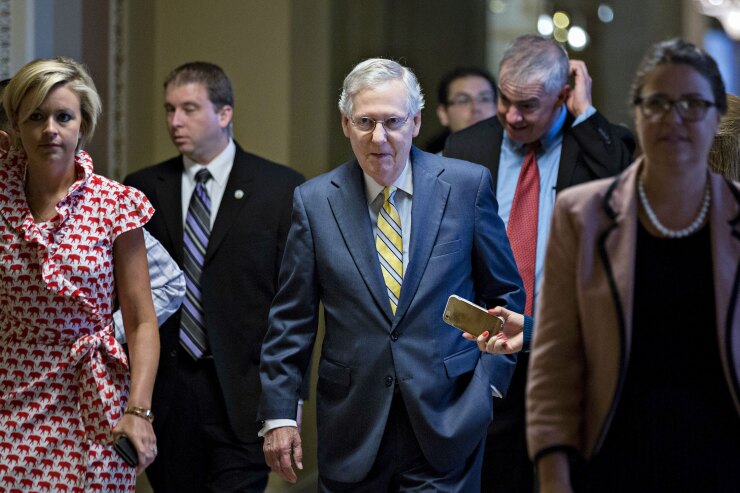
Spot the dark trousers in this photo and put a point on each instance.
(401, 466)
(506, 465)
(198, 451)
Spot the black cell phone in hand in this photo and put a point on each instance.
(127, 451)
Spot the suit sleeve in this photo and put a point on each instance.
(471, 144)
(557, 362)
(292, 324)
(607, 149)
(497, 279)
(283, 229)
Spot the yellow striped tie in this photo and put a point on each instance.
(389, 244)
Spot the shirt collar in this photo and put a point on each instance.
(219, 167)
(555, 131)
(404, 183)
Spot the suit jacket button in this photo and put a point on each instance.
(394, 336)
(173, 353)
(388, 381)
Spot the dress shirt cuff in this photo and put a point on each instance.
(271, 424)
(527, 332)
(495, 392)
(585, 115)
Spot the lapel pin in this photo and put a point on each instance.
(238, 194)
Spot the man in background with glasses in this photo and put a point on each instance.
(382, 241)
(466, 95)
(547, 136)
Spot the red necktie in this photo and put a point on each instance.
(522, 227)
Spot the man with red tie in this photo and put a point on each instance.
(546, 136)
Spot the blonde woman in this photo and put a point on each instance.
(68, 239)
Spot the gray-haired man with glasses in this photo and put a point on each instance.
(548, 136)
(382, 241)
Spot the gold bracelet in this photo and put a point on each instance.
(141, 412)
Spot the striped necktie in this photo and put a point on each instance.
(389, 244)
(522, 228)
(197, 229)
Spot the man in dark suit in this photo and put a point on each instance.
(571, 143)
(382, 241)
(223, 214)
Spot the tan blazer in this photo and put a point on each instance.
(584, 320)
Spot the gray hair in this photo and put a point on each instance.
(535, 59)
(376, 71)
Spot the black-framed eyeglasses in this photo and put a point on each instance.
(689, 109)
(466, 99)
(390, 124)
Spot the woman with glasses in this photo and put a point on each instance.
(633, 382)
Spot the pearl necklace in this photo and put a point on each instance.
(672, 233)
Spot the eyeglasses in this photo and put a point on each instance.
(467, 100)
(390, 124)
(689, 109)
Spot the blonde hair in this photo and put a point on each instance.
(724, 156)
(38, 77)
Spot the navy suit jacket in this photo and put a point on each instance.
(239, 277)
(458, 245)
(591, 150)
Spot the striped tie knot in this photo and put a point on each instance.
(389, 193)
(202, 176)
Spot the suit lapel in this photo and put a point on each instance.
(428, 205)
(725, 233)
(349, 207)
(617, 249)
(240, 178)
(568, 155)
(169, 204)
(495, 142)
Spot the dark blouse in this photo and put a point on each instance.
(676, 427)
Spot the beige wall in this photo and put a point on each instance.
(286, 60)
(249, 39)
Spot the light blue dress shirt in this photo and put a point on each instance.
(167, 282)
(548, 164)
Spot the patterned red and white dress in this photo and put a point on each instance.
(63, 377)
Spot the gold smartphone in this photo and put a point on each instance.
(471, 318)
